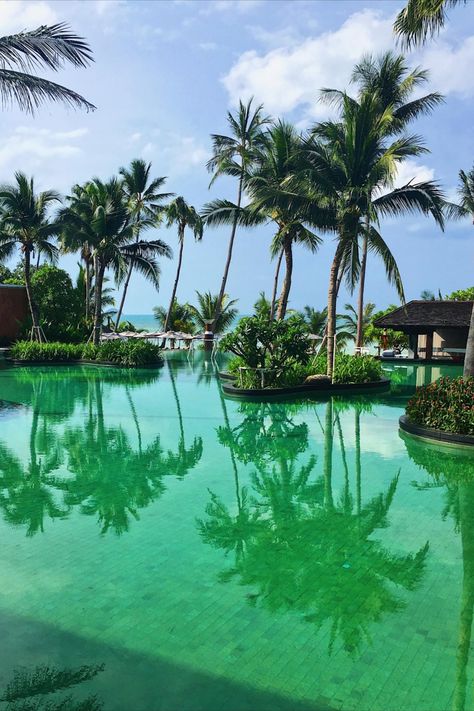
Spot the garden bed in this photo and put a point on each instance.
(440, 436)
(305, 389)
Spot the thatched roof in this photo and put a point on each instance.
(422, 316)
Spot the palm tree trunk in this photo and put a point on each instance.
(99, 280)
(332, 304)
(283, 302)
(360, 303)
(275, 285)
(88, 288)
(127, 280)
(358, 462)
(178, 272)
(469, 359)
(36, 331)
(220, 298)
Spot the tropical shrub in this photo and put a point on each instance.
(462, 294)
(447, 405)
(372, 334)
(122, 353)
(275, 346)
(349, 368)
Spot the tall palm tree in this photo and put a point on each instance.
(389, 79)
(207, 308)
(24, 222)
(466, 207)
(349, 322)
(143, 201)
(316, 320)
(421, 19)
(103, 212)
(50, 47)
(353, 159)
(183, 215)
(233, 155)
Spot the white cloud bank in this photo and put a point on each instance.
(18, 15)
(291, 75)
(28, 148)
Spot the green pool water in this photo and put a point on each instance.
(192, 552)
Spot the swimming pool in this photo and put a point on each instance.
(192, 552)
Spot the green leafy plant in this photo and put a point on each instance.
(349, 368)
(447, 405)
(274, 346)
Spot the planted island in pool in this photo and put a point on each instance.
(273, 358)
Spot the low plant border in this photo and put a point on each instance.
(108, 364)
(311, 388)
(429, 433)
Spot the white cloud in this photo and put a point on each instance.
(291, 76)
(412, 171)
(28, 148)
(175, 153)
(451, 66)
(208, 46)
(240, 6)
(17, 15)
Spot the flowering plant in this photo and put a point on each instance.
(447, 404)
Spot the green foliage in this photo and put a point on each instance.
(394, 338)
(5, 274)
(58, 302)
(447, 404)
(273, 345)
(206, 308)
(180, 319)
(462, 294)
(123, 353)
(349, 368)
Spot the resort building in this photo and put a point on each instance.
(436, 329)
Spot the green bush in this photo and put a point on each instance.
(124, 353)
(447, 404)
(349, 368)
(276, 346)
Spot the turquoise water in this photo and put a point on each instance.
(199, 553)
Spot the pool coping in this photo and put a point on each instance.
(434, 435)
(308, 388)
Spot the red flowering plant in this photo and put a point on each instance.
(447, 404)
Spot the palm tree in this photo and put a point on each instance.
(316, 320)
(24, 221)
(207, 308)
(143, 201)
(421, 19)
(49, 47)
(348, 323)
(353, 159)
(466, 207)
(183, 215)
(233, 155)
(103, 213)
(389, 79)
(179, 319)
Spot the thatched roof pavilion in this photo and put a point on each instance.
(444, 323)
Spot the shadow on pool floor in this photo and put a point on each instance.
(130, 681)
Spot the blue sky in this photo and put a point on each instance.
(166, 73)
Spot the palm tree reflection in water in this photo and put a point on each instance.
(92, 467)
(296, 543)
(454, 470)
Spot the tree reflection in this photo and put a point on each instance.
(41, 689)
(92, 467)
(454, 470)
(298, 543)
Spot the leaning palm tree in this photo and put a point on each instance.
(24, 222)
(421, 19)
(233, 155)
(354, 158)
(48, 47)
(143, 201)
(183, 215)
(207, 308)
(466, 207)
(391, 81)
